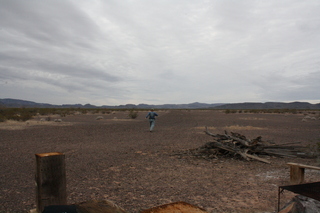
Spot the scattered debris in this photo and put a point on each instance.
(237, 145)
(301, 204)
(307, 117)
(99, 118)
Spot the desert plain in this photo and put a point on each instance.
(118, 159)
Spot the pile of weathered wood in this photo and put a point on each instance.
(237, 145)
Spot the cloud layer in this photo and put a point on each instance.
(156, 52)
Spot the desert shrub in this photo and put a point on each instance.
(227, 111)
(43, 111)
(105, 112)
(133, 114)
(27, 113)
(294, 111)
(84, 111)
(24, 116)
(2, 118)
(278, 111)
(18, 114)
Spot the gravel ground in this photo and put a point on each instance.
(118, 159)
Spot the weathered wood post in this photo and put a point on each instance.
(296, 174)
(50, 180)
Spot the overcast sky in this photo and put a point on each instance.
(112, 52)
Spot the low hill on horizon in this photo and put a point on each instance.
(17, 103)
(270, 105)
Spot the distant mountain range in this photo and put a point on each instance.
(8, 102)
(270, 105)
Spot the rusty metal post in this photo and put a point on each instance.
(50, 180)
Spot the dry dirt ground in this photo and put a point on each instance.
(118, 159)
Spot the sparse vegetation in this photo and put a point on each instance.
(133, 114)
(18, 114)
(228, 111)
(2, 118)
(24, 114)
(278, 111)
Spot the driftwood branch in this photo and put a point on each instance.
(237, 144)
(258, 158)
(243, 142)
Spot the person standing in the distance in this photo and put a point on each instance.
(152, 119)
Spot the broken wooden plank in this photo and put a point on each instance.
(280, 154)
(258, 158)
(303, 166)
(297, 172)
(243, 142)
(249, 149)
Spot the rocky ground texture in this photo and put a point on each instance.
(118, 159)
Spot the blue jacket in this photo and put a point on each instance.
(152, 115)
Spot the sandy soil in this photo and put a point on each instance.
(118, 159)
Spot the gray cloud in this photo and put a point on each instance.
(278, 86)
(118, 52)
(57, 22)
